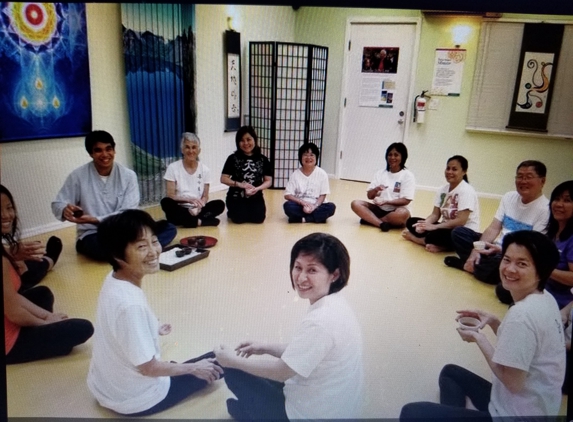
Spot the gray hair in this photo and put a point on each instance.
(190, 137)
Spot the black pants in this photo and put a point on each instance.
(178, 215)
(36, 272)
(259, 398)
(180, 387)
(50, 340)
(456, 383)
(440, 237)
(246, 209)
(488, 268)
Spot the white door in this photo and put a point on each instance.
(377, 92)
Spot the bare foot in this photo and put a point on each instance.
(434, 248)
(194, 211)
(406, 234)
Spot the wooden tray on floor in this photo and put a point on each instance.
(168, 261)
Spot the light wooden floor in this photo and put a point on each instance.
(404, 297)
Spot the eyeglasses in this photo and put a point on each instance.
(526, 177)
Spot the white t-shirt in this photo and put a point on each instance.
(308, 188)
(530, 338)
(399, 185)
(188, 185)
(326, 354)
(126, 336)
(463, 197)
(515, 215)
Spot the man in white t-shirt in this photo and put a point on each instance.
(524, 209)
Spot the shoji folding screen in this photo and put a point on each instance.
(287, 87)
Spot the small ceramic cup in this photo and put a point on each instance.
(469, 323)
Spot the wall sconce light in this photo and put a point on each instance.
(230, 23)
(460, 34)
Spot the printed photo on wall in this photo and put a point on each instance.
(45, 81)
(380, 59)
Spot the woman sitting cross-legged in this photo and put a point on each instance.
(318, 375)
(307, 188)
(187, 203)
(528, 360)
(391, 192)
(32, 330)
(247, 172)
(126, 372)
(456, 204)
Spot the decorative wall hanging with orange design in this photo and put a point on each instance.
(44, 82)
(540, 47)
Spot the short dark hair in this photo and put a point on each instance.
(329, 251)
(553, 225)
(96, 136)
(542, 250)
(463, 163)
(308, 146)
(538, 166)
(243, 130)
(118, 230)
(402, 150)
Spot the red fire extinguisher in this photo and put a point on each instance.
(420, 107)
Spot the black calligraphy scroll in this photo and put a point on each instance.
(233, 59)
(540, 47)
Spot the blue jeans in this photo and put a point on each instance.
(456, 383)
(90, 246)
(319, 215)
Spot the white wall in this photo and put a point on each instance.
(492, 158)
(34, 171)
(254, 23)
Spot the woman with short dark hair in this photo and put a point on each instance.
(528, 360)
(391, 191)
(455, 205)
(247, 172)
(318, 375)
(307, 188)
(126, 372)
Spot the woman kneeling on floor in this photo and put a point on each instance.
(528, 361)
(318, 375)
(307, 188)
(126, 373)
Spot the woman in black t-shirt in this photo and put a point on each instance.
(247, 172)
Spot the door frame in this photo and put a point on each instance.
(410, 95)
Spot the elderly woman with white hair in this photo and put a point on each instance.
(187, 182)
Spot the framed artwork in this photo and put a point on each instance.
(233, 58)
(44, 83)
(540, 48)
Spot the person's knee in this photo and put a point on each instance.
(357, 205)
(413, 411)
